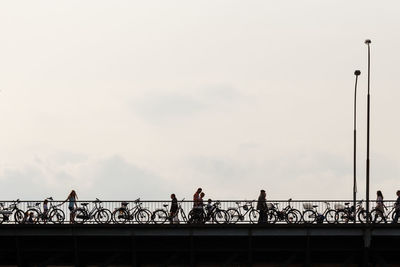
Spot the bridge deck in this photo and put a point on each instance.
(184, 245)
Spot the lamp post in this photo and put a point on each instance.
(356, 73)
(368, 42)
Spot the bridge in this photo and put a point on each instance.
(130, 233)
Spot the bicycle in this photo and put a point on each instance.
(347, 213)
(215, 214)
(98, 213)
(287, 214)
(311, 214)
(123, 214)
(236, 214)
(35, 215)
(6, 212)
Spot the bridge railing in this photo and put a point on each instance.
(214, 212)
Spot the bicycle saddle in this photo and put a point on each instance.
(124, 203)
(347, 203)
(315, 206)
(85, 204)
(237, 202)
(276, 203)
(165, 205)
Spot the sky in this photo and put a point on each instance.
(127, 99)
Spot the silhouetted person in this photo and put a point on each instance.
(196, 197)
(173, 212)
(262, 207)
(71, 199)
(45, 209)
(397, 207)
(380, 206)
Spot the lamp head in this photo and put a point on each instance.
(357, 72)
(368, 41)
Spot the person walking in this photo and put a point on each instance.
(380, 206)
(196, 197)
(173, 212)
(262, 207)
(397, 208)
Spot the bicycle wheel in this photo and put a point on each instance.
(143, 216)
(330, 216)
(309, 216)
(196, 216)
(254, 215)
(377, 216)
(159, 216)
(120, 216)
(102, 216)
(341, 216)
(298, 214)
(363, 216)
(32, 216)
(57, 216)
(291, 217)
(19, 216)
(220, 216)
(2, 218)
(234, 215)
(80, 216)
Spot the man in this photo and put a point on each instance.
(262, 207)
(397, 207)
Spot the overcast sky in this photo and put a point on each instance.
(127, 99)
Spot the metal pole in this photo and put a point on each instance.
(368, 42)
(356, 73)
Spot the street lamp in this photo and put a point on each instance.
(356, 73)
(368, 42)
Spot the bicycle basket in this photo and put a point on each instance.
(308, 206)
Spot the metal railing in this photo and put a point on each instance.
(214, 212)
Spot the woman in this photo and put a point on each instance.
(72, 198)
(380, 206)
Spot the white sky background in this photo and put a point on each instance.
(127, 99)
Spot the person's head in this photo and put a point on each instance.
(173, 196)
(199, 190)
(45, 201)
(209, 200)
(73, 194)
(379, 193)
(262, 193)
(398, 193)
(202, 194)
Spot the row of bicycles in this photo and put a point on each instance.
(242, 212)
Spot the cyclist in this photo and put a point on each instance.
(262, 206)
(173, 212)
(45, 208)
(397, 208)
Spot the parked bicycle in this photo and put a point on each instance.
(346, 213)
(311, 214)
(287, 214)
(239, 213)
(34, 214)
(215, 214)
(98, 213)
(6, 212)
(123, 214)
